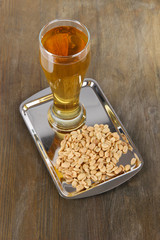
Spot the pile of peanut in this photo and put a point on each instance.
(90, 155)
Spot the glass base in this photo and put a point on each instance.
(66, 125)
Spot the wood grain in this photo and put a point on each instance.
(126, 62)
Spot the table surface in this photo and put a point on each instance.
(126, 63)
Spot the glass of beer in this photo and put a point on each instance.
(65, 57)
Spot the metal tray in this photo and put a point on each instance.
(98, 110)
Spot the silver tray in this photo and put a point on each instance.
(98, 110)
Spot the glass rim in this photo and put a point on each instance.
(63, 20)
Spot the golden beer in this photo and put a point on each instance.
(65, 57)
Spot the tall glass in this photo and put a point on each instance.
(65, 69)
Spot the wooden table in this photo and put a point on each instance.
(126, 63)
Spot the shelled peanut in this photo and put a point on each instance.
(90, 155)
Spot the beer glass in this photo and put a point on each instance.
(65, 56)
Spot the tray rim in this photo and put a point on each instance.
(88, 82)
